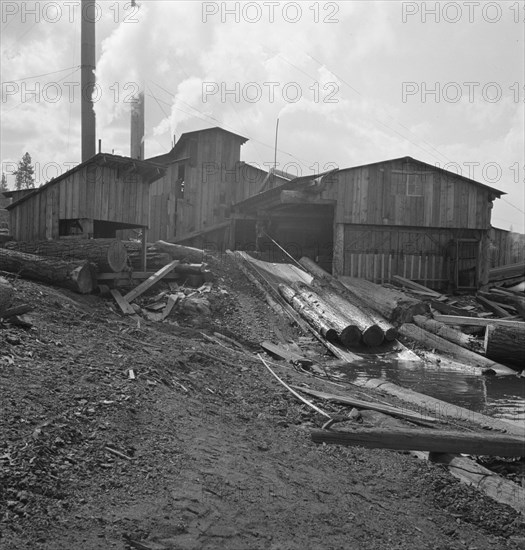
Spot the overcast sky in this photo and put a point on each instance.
(351, 83)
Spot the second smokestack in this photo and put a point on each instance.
(137, 127)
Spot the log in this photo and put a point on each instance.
(457, 352)
(478, 321)
(79, 275)
(389, 331)
(372, 333)
(505, 345)
(441, 409)
(510, 271)
(314, 318)
(6, 293)
(493, 485)
(415, 439)
(507, 298)
(347, 329)
(180, 252)
(450, 334)
(393, 305)
(109, 255)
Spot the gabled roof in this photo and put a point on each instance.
(431, 167)
(269, 196)
(174, 154)
(148, 170)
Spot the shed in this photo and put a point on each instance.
(95, 199)
(395, 217)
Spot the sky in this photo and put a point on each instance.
(350, 83)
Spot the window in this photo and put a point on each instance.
(410, 184)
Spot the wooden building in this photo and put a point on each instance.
(95, 199)
(397, 217)
(204, 178)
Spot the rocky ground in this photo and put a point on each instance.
(200, 447)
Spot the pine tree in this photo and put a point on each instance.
(25, 174)
(3, 183)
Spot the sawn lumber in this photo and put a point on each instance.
(438, 441)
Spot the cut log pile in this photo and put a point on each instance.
(76, 275)
(107, 254)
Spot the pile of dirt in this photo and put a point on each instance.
(125, 433)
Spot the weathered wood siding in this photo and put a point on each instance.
(377, 253)
(505, 247)
(210, 186)
(94, 192)
(380, 194)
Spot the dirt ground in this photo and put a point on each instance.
(204, 448)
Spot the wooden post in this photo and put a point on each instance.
(338, 261)
(144, 249)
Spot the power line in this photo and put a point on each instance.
(44, 74)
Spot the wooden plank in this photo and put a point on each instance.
(123, 304)
(367, 405)
(285, 354)
(492, 306)
(415, 286)
(413, 439)
(477, 321)
(148, 283)
(449, 309)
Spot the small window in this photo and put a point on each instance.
(414, 185)
(180, 181)
(409, 184)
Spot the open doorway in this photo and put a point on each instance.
(290, 231)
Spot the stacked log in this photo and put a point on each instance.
(394, 305)
(372, 333)
(79, 275)
(109, 255)
(350, 300)
(321, 318)
(505, 344)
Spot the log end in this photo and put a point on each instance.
(84, 278)
(117, 256)
(391, 334)
(373, 336)
(350, 336)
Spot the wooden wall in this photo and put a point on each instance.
(210, 186)
(94, 192)
(505, 247)
(424, 255)
(379, 195)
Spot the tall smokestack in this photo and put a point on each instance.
(137, 127)
(87, 78)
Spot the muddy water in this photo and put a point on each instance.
(501, 397)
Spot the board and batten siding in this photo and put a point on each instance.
(377, 195)
(100, 193)
(377, 253)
